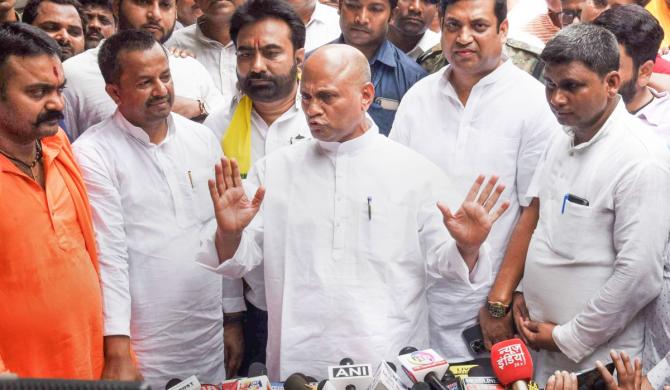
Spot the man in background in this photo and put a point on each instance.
(100, 22)
(408, 29)
(61, 20)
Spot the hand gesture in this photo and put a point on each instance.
(629, 378)
(471, 224)
(562, 380)
(233, 210)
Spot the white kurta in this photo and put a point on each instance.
(502, 130)
(87, 103)
(150, 203)
(291, 127)
(322, 28)
(590, 269)
(219, 59)
(342, 279)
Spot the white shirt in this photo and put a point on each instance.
(87, 103)
(150, 203)
(322, 28)
(427, 41)
(289, 128)
(656, 114)
(660, 374)
(342, 279)
(219, 59)
(502, 130)
(590, 269)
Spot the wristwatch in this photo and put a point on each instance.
(497, 309)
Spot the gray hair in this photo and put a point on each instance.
(592, 45)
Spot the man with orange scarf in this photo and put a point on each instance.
(50, 301)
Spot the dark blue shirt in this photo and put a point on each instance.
(393, 73)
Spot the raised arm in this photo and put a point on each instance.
(232, 208)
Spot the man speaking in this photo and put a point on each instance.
(348, 229)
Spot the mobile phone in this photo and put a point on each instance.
(591, 380)
(474, 338)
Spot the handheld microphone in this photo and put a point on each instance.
(257, 369)
(296, 381)
(190, 383)
(260, 382)
(386, 378)
(349, 376)
(512, 363)
(171, 383)
(423, 366)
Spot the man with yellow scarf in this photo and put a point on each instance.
(264, 116)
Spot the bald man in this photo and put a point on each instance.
(348, 229)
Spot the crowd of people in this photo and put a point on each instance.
(191, 186)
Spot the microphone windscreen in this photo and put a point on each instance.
(346, 362)
(171, 383)
(296, 381)
(511, 361)
(257, 369)
(407, 350)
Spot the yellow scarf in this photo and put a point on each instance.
(237, 141)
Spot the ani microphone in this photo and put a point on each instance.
(512, 363)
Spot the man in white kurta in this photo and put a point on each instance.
(87, 103)
(595, 258)
(501, 129)
(347, 230)
(150, 202)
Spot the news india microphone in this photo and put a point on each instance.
(350, 376)
(512, 363)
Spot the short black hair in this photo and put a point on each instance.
(592, 45)
(499, 8)
(128, 40)
(253, 11)
(30, 10)
(635, 29)
(106, 4)
(23, 40)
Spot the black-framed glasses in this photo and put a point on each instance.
(567, 17)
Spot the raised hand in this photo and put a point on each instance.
(471, 224)
(232, 208)
(629, 377)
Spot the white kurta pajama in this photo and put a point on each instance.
(590, 269)
(342, 282)
(150, 203)
(502, 130)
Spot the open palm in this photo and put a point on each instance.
(232, 208)
(472, 222)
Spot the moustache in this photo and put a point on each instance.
(152, 25)
(156, 100)
(49, 116)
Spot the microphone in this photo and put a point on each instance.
(171, 383)
(260, 382)
(257, 369)
(423, 366)
(386, 378)
(296, 381)
(325, 385)
(512, 363)
(350, 376)
(190, 383)
(420, 386)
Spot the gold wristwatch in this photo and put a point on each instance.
(497, 309)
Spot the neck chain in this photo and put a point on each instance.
(29, 166)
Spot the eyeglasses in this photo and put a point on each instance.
(568, 17)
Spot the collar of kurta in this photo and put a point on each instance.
(140, 135)
(651, 119)
(499, 73)
(615, 116)
(353, 145)
(51, 147)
